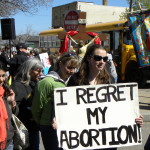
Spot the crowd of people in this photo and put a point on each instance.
(31, 97)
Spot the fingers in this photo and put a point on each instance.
(139, 120)
(12, 98)
(54, 124)
(11, 92)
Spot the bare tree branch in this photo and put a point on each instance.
(24, 37)
(144, 3)
(12, 7)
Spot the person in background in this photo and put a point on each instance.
(1, 49)
(14, 52)
(43, 103)
(6, 110)
(18, 59)
(95, 70)
(4, 57)
(34, 53)
(24, 85)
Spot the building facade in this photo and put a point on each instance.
(94, 13)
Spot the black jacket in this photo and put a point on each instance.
(16, 62)
(24, 96)
(73, 80)
(5, 59)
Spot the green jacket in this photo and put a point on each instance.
(43, 102)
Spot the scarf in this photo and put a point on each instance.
(3, 120)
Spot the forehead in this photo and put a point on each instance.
(36, 69)
(100, 52)
(2, 71)
(71, 63)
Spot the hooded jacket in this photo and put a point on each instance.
(43, 102)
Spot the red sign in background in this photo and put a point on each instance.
(71, 21)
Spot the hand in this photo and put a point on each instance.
(54, 124)
(12, 98)
(139, 121)
(68, 36)
(97, 36)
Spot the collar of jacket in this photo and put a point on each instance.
(56, 76)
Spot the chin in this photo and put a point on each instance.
(100, 68)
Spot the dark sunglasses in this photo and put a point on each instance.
(99, 58)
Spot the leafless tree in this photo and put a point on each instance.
(24, 37)
(145, 4)
(11, 7)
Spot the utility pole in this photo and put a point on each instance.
(105, 2)
(130, 7)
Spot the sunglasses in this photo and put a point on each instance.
(99, 58)
(70, 54)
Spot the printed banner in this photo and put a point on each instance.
(97, 116)
(139, 24)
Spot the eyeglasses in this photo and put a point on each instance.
(99, 58)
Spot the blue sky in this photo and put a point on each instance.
(42, 20)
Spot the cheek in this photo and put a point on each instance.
(2, 79)
(32, 75)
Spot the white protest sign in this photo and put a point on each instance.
(45, 61)
(97, 116)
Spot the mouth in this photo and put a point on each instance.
(100, 65)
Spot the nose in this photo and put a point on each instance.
(72, 71)
(102, 61)
(41, 73)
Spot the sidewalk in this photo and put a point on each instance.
(144, 102)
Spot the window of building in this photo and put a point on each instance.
(49, 42)
(57, 41)
(41, 41)
(53, 41)
(45, 41)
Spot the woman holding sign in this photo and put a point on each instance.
(96, 68)
(43, 102)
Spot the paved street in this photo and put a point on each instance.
(144, 102)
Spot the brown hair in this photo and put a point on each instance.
(65, 57)
(84, 67)
(5, 85)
